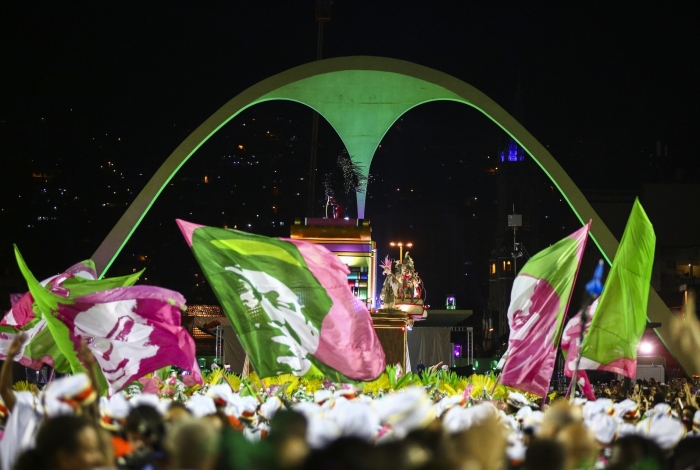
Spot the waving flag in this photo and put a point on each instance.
(570, 347)
(539, 300)
(621, 317)
(40, 347)
(289, 302)
(131, 330)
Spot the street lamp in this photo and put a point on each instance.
(401, 245)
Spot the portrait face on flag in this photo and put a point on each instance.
(532, 316)
(119, 341)
(273, 308)
(535, 317)
(538, 304)
(289, 303)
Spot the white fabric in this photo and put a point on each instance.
(269, 409)
(20, 429)
(354, 419)
(604, 428)
(116, 407)
(201, 406)
(662, 429)
(405, 411)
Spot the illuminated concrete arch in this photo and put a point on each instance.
(361, 97)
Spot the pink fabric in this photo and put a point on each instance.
(348, 342)
(623, 366)
(149, 385)
(22, 313)
(187, 228)
(14, 298)
(531, 352)
(570, 342)
(132, 331)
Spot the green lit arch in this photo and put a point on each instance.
(361, 97)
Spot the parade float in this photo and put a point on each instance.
(403, 288)
(402, 305)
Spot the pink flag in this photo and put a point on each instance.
(539, 300)
(132, 331)
(571, 346)
(40, 347)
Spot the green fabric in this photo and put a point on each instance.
(55, 340)
(217, 249)
(620, 318)
(558, 265)
(43, 345)
(79, 286)
(48, 304)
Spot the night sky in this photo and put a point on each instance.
(86, 83)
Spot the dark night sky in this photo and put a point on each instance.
(601, 82)
(622, 75)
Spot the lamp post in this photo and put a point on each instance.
(323, 15)
(401, 245)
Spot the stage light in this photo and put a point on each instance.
(646, 348)
(458, 350)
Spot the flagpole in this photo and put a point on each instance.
(498, 379)
(593, 289)
(589, 299)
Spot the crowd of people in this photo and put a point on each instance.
(679, 393)
(67, 425)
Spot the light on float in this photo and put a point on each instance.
(646, 348)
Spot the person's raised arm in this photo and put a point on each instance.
(6, 379)
(88, 359)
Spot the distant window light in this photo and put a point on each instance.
(493, 268)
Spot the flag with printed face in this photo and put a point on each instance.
(621, 317)
(40, 347)
(289, 302)
(539, 301)
(131, 330)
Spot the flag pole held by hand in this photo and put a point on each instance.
(594, 288)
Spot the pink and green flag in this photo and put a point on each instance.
(539, 301)
(28, 315)
(40, 347)
(131, 330)
(621, 316)
(289, 303)
(571, 346)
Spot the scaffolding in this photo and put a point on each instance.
(468, 353)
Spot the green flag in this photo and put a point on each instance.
(621, 316)
(289, 303)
